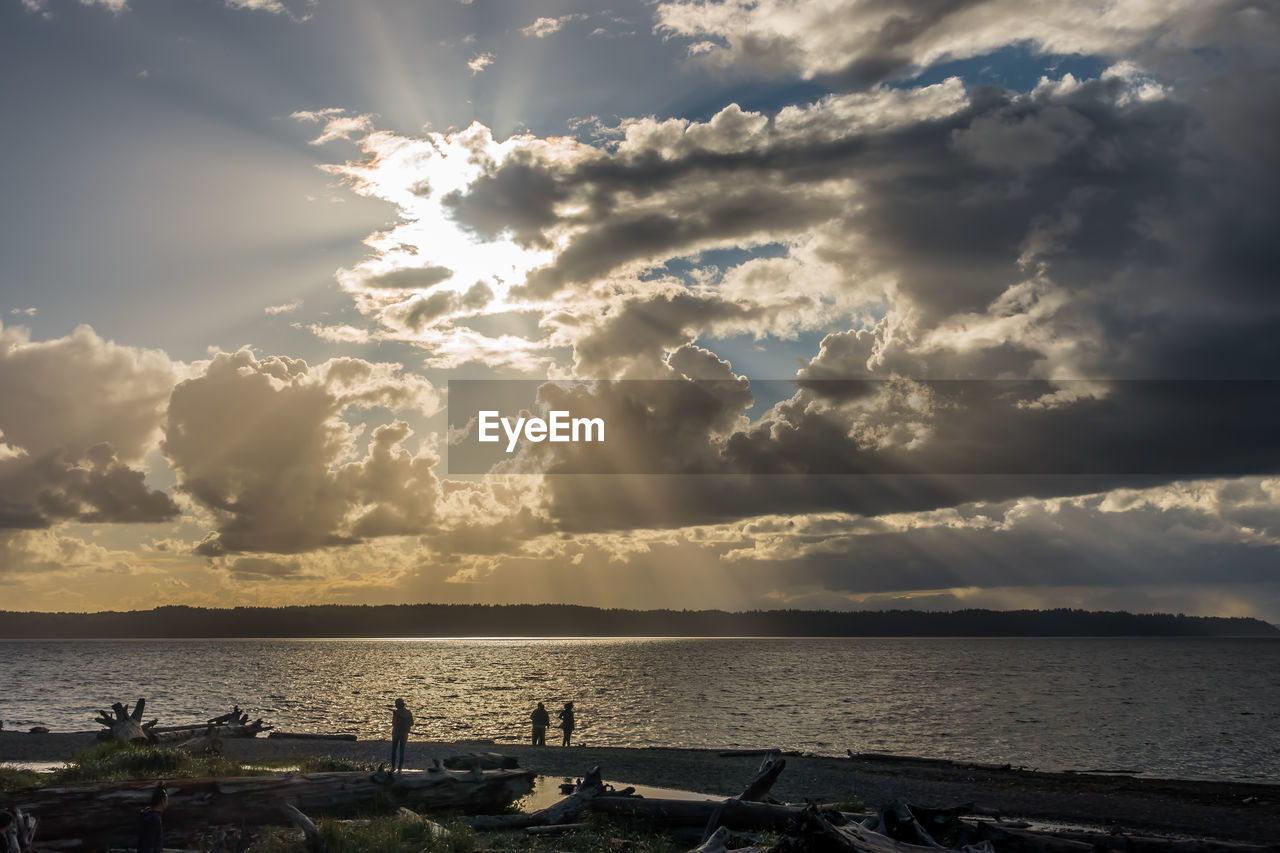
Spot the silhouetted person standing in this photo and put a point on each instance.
(150, 826)
(541, 719)
(566, 722)
(401, 722)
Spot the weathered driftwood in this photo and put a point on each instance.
(18, 831)
(125, 725)
(209, 744)
(719, 843)
(817, 831)
(557, 829)
(562, 812)
(437, 830)
(734, 813)
(1006, 838)
(757, 790)
(899, 822)
(483, 760)
(306, 824)
(98, 814)
(236, 724)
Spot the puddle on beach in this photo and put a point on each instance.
(546, 792)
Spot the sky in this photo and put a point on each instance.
(245, 246)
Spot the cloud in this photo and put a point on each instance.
(543, 27)
(1103, 228)
(41, 553)
(337, 123)
(261, 568)
(275, 7)
(866, 42)
(79, 414)
(262, 445)
(338, 334)
(480, 62)
(421, 312)
(400, 280)
(284, 308)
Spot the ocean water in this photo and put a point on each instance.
(1192, 708)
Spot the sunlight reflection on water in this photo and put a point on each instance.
(1185, 707)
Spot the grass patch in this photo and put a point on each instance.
(11, 779)
(851, 803)
(116, 761)
(373, 835)
(397, 835)
(329, 764)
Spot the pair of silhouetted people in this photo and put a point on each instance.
(541, 719)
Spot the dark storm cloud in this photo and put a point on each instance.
(1109, 190)
(640, 331)
(1076, 544)
(867, 42)
(1110, 196)
(37, 492)
(1087, 229)
(877, 448)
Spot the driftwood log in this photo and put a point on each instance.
(236, 724)
(734, 813)
(719, 843)
(126, 725)
(757, 790)
(96, 816)
(563, 812)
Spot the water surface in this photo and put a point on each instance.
(1194, 708)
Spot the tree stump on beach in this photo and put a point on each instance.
(125, 725)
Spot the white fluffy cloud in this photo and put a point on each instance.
(79, 415)
(262, 445)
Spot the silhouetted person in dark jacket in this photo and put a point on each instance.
(401, 722)
(566, 722)
(541, 719)
(150, 826)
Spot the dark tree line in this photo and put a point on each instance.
(561, 620)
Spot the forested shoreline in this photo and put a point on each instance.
(558, 620)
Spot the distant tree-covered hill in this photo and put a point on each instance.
(558, 620)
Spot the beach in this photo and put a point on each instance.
(1232, 811)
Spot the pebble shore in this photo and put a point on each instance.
(1233, 811)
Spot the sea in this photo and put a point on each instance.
(1166, 707)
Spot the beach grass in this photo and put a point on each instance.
(12, 779)
(382, 833)
(332, 764)
(116, 761)
(397, 835)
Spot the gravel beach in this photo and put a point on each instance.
(1223, 810)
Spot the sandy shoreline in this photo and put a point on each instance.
(1226, 810)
